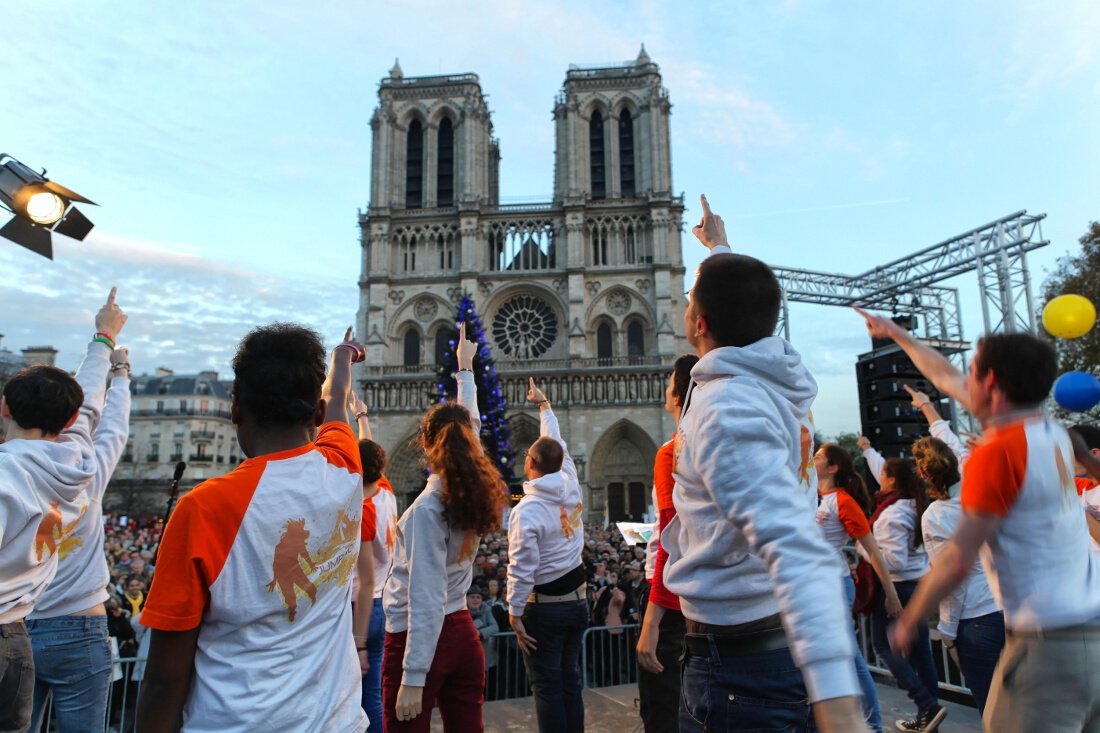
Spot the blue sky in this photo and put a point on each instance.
(228, 143)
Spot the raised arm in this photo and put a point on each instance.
(114, 427)
(362, 422)
(467, 386)
(931, 363)
(548, 425)
(875, 461)
(937, 426)
(91, 375)
(337, 384)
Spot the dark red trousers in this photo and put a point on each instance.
(456, 679)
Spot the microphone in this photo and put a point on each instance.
(180, 468)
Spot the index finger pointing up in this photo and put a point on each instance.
(531, 382)
(111, 295)
(706, 206)
(347, 334)
(462, 331)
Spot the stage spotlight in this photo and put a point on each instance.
(41, 207)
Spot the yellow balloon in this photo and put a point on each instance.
(1069, 316)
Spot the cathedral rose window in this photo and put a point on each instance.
(525, 327)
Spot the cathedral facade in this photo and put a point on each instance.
(585, 292)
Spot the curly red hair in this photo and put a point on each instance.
(474, 495)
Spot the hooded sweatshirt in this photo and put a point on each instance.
(433, 566)
(82, 575)
(744, 544)
(546, 530)
(43, 488)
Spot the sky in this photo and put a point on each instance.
(228, 144)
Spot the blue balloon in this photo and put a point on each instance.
(1077, 391)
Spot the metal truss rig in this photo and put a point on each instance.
(998, 251)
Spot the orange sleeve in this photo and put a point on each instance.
(1083, 483)
(339, 445)
(851, 516)
(384, 483)
(662, 476)
(370, 522)
(194, 547)
(995, 473)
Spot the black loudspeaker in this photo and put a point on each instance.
(886, 411)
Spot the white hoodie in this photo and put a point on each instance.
(42, 481)
(82, 574)
(744, 545)
(546, 530)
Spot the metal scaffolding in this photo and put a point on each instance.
(997, 251)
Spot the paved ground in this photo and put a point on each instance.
(613, 710)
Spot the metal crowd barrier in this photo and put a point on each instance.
(608, 658)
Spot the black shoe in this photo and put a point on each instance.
(926, 722)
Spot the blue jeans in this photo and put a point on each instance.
(372, 680)
(72, 658)
(979, 643)
(16, 677)
(753, 692)
(917, 674)
(555, 668)
(866, 682)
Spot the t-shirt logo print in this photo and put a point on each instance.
(571, 522)
(331, 563)
(54, 536)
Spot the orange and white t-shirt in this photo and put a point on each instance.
(261, 560)
(379, 528)
(841, 519)
(1037, 562)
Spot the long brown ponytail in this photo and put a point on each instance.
(474, 495)
(847, 479)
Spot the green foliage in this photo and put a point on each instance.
(1078, 273)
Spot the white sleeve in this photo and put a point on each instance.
(875, 462)
(426, 545)
(936, 538)
(745, 453)
(523, 559)
(91, 375)
(111, 435)
(548, 428)
(893, 537)
(942, 429)
(467, 397)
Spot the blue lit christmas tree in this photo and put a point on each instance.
(495, 435)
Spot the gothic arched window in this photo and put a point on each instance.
(595, 149)
(414, 166)
(443, 339)
(445, 176)
(412, 348)
(603, 342)
(626, 153)
(635, 340)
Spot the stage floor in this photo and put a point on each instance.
(613, 710)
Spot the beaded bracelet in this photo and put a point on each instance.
(360, 415)
(357, 352)
(121, 365)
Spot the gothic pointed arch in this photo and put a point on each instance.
(524, 430)
(406, 470)
(621, 464)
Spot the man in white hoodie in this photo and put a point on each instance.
(759, 588)
(547, 602)
(48, 462)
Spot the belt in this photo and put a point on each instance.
(580, 594)
(699, 645)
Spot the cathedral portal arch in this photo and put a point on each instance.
(621, 465)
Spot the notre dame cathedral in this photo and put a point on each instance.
(584, 292)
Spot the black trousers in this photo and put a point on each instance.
(660, 693)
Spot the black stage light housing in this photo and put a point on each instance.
(41, 207)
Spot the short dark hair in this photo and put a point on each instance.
(681, 375)
(1089, 433)
(373, 458)
(43, 398)
(547, 455)
(1023, 365)
(739, 298)
(279, 370)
